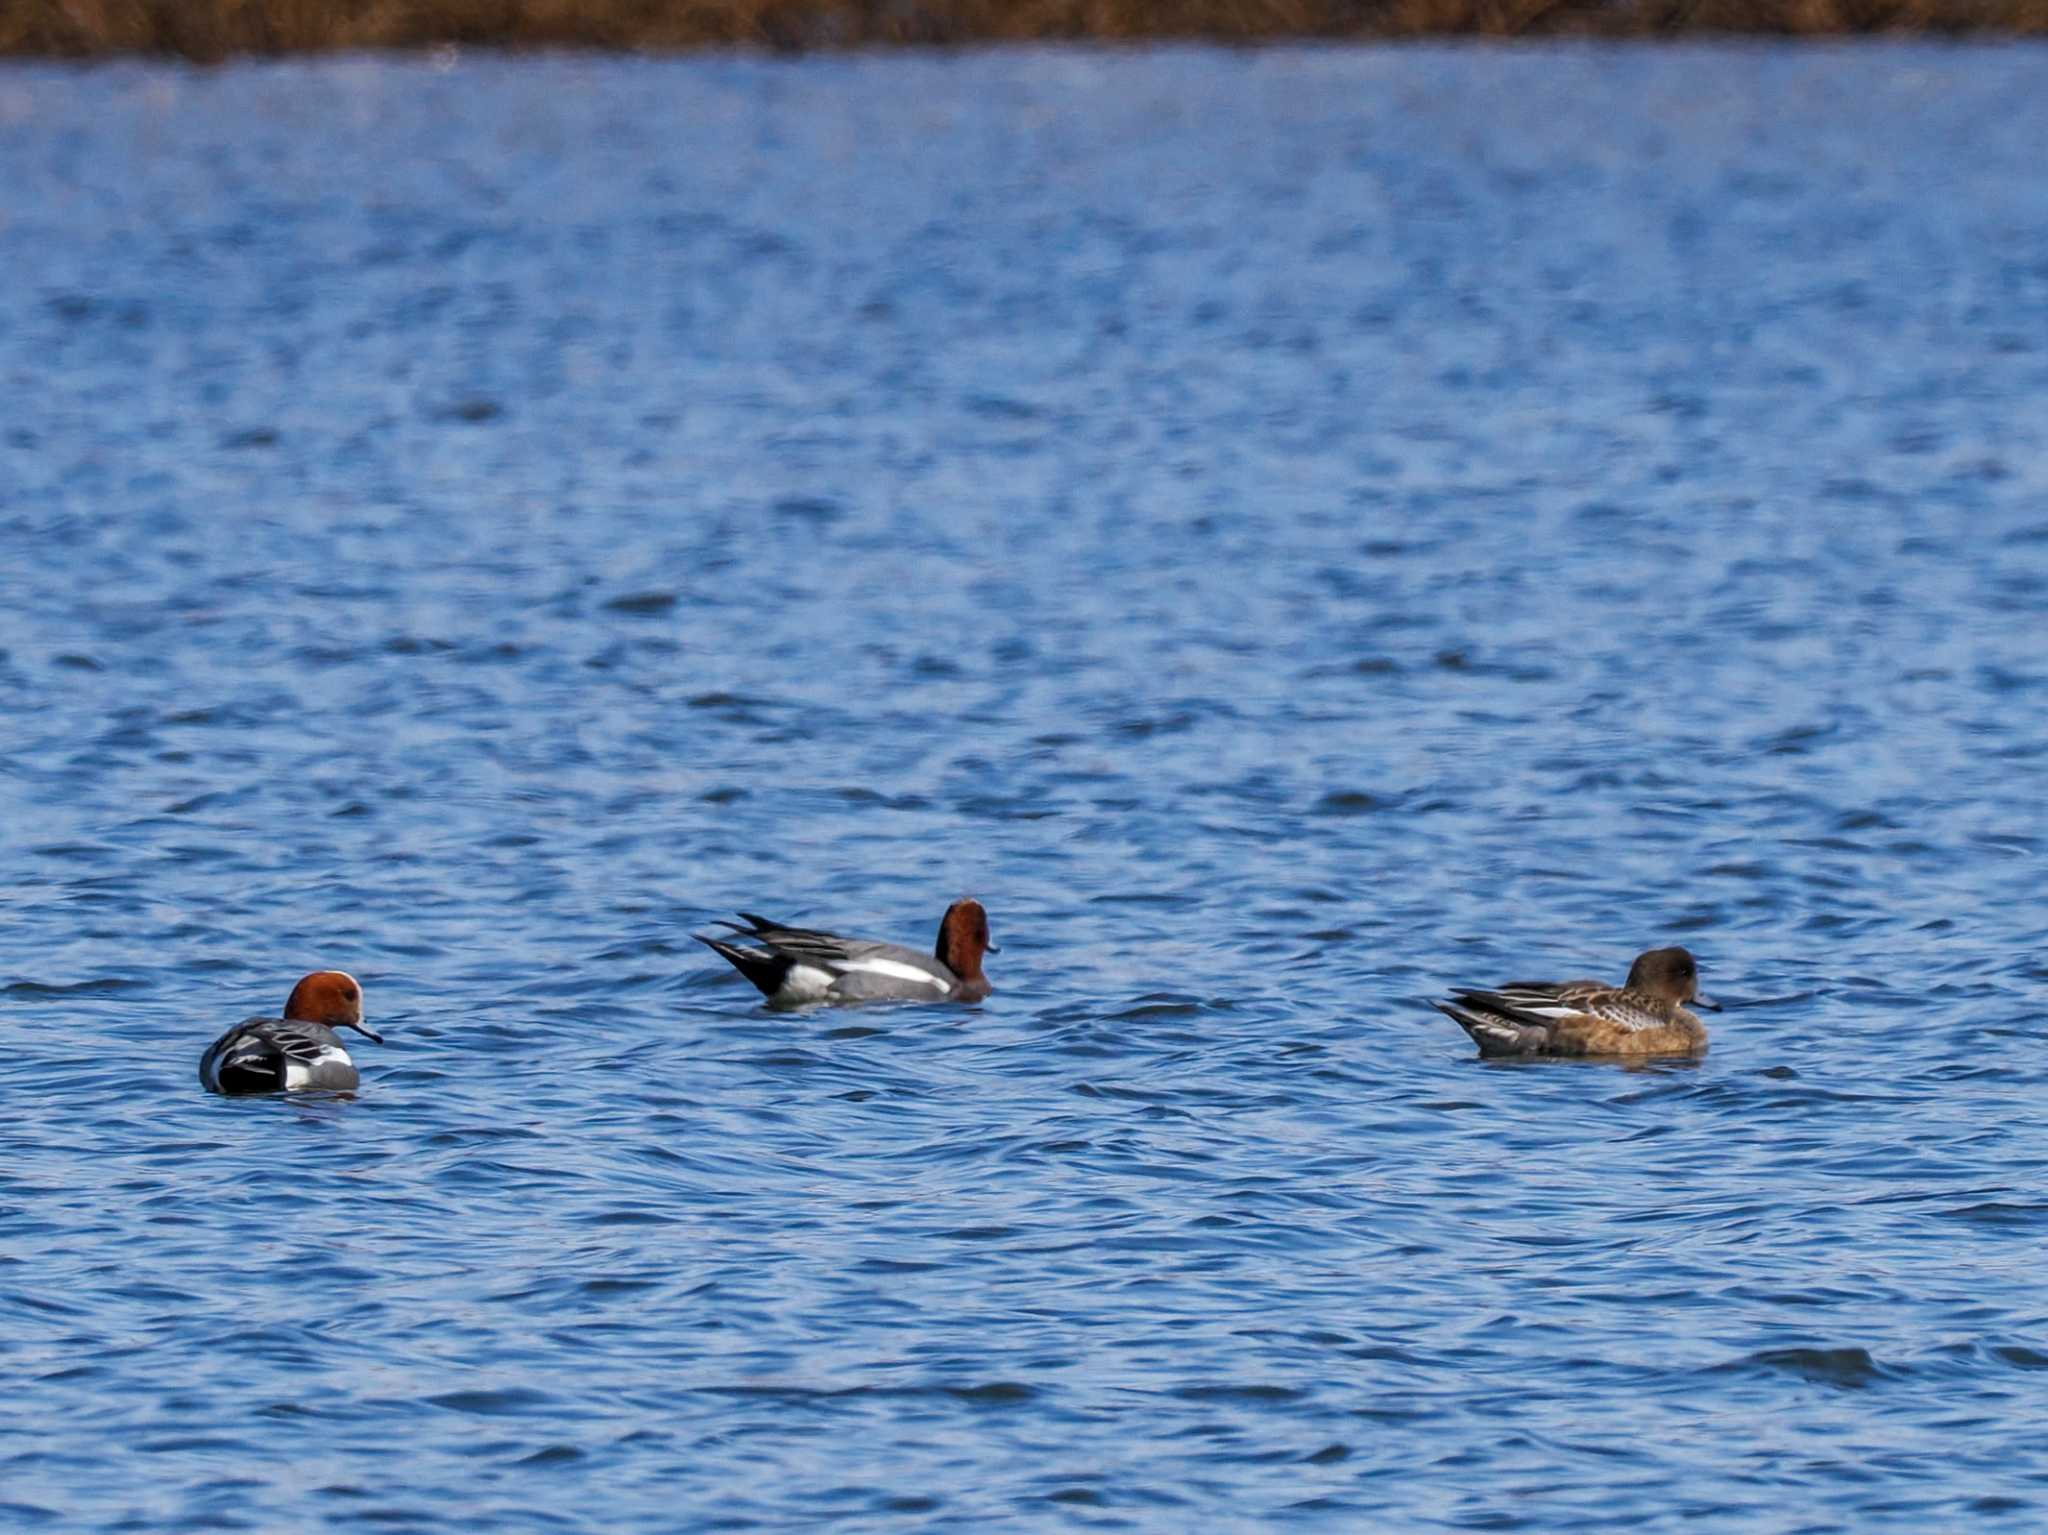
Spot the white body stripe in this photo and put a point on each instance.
(896, 970)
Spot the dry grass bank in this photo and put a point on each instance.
(213, 29)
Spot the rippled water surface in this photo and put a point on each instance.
(1291, 531)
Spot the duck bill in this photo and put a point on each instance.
(994, 948)
(366, 1031)
(1705, 1004)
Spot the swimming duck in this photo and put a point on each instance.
(301, 1049)
(1643, 1016)
(798, 965)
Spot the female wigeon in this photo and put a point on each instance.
(798, 965)
(1643, 1016)
(301, 1049)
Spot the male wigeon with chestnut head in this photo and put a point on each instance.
(1644, 1016)
(299, 1050)
(796, 966)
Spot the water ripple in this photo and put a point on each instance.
(1291, 531)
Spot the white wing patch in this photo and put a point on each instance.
(896, 970)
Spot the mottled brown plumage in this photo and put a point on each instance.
(1644, 1016)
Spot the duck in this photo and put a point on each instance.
(299, 1050)
(800, 966)
(1644, 1016)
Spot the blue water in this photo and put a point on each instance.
(1291, 531)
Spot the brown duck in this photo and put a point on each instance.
(1643, 1016)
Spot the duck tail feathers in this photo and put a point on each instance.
(765, 969)
(1495, 1036)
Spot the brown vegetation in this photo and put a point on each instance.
(213, 29)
